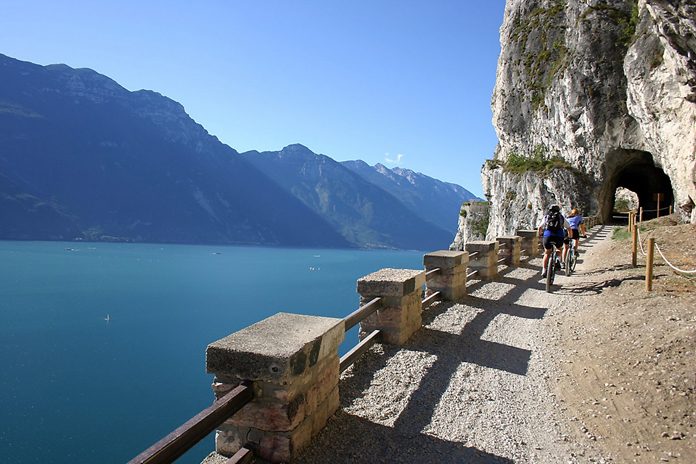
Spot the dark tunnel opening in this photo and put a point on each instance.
(636, 171)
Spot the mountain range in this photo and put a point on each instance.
(83, 158)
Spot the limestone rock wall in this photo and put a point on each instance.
(592, 95)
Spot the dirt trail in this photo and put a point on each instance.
(476, 384)
(595, 372)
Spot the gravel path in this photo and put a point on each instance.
(474, 385)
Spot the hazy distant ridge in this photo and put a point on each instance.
(82, 157)
(433, 200)
(361, 211)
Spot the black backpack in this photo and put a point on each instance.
(554, 221)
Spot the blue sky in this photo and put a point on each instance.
(396, 82)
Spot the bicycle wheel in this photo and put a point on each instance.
(550, 270)
(574, 261)
(568, 270)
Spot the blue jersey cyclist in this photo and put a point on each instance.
(552, 229)
(577, 228)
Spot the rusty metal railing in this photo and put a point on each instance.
(195, 429)
(186, 436)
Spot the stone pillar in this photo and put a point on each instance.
(510, 249)
(486, 259)
(293, 363)
(400, 313)
(450, 280)
(529, 242)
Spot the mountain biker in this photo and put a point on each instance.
(576, 225)
(551, 229)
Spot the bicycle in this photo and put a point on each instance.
(571, 259)
(553, 264)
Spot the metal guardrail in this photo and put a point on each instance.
(186, 436)
(195, 429)
(362, 312)
(432, 271)
(350, 357)
(243, 456)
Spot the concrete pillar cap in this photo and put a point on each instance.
(391, 282)
(445, 259)
(275, 348)
(481, 246)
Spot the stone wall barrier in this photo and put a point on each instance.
(529, 242)
(510, 249)
(399, 315)
(450, 280)
(486, 259)
(292, 361)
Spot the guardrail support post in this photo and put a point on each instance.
(293, 363)
(512, 249)
(529, 242)
(450, 281)
(400, 313)
(486, 261)
(649, 264)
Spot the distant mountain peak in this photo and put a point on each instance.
(435, 201)
(296, 148)
(379, 167)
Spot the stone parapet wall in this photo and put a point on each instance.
(510, 249)
(529, 242)
(486, 259)
(450, 280)
(399, 315)
(292, 362)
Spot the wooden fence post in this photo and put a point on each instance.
(640, 218)
(649, 265)
(634, 246)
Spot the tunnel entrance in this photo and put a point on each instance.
(636, 171)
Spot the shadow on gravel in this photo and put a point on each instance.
(352, 439)
(594, 288)
(604, 270)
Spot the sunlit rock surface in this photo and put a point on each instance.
(591, 96)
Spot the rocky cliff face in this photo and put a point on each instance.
(590, 96)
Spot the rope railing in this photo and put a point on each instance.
(670, 264)
(656, 209)
(640, 241)
(649, 259)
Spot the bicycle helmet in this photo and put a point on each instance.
(554, 208)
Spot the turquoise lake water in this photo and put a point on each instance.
(78, 388)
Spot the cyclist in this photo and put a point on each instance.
(576, 226)
(551, 229)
